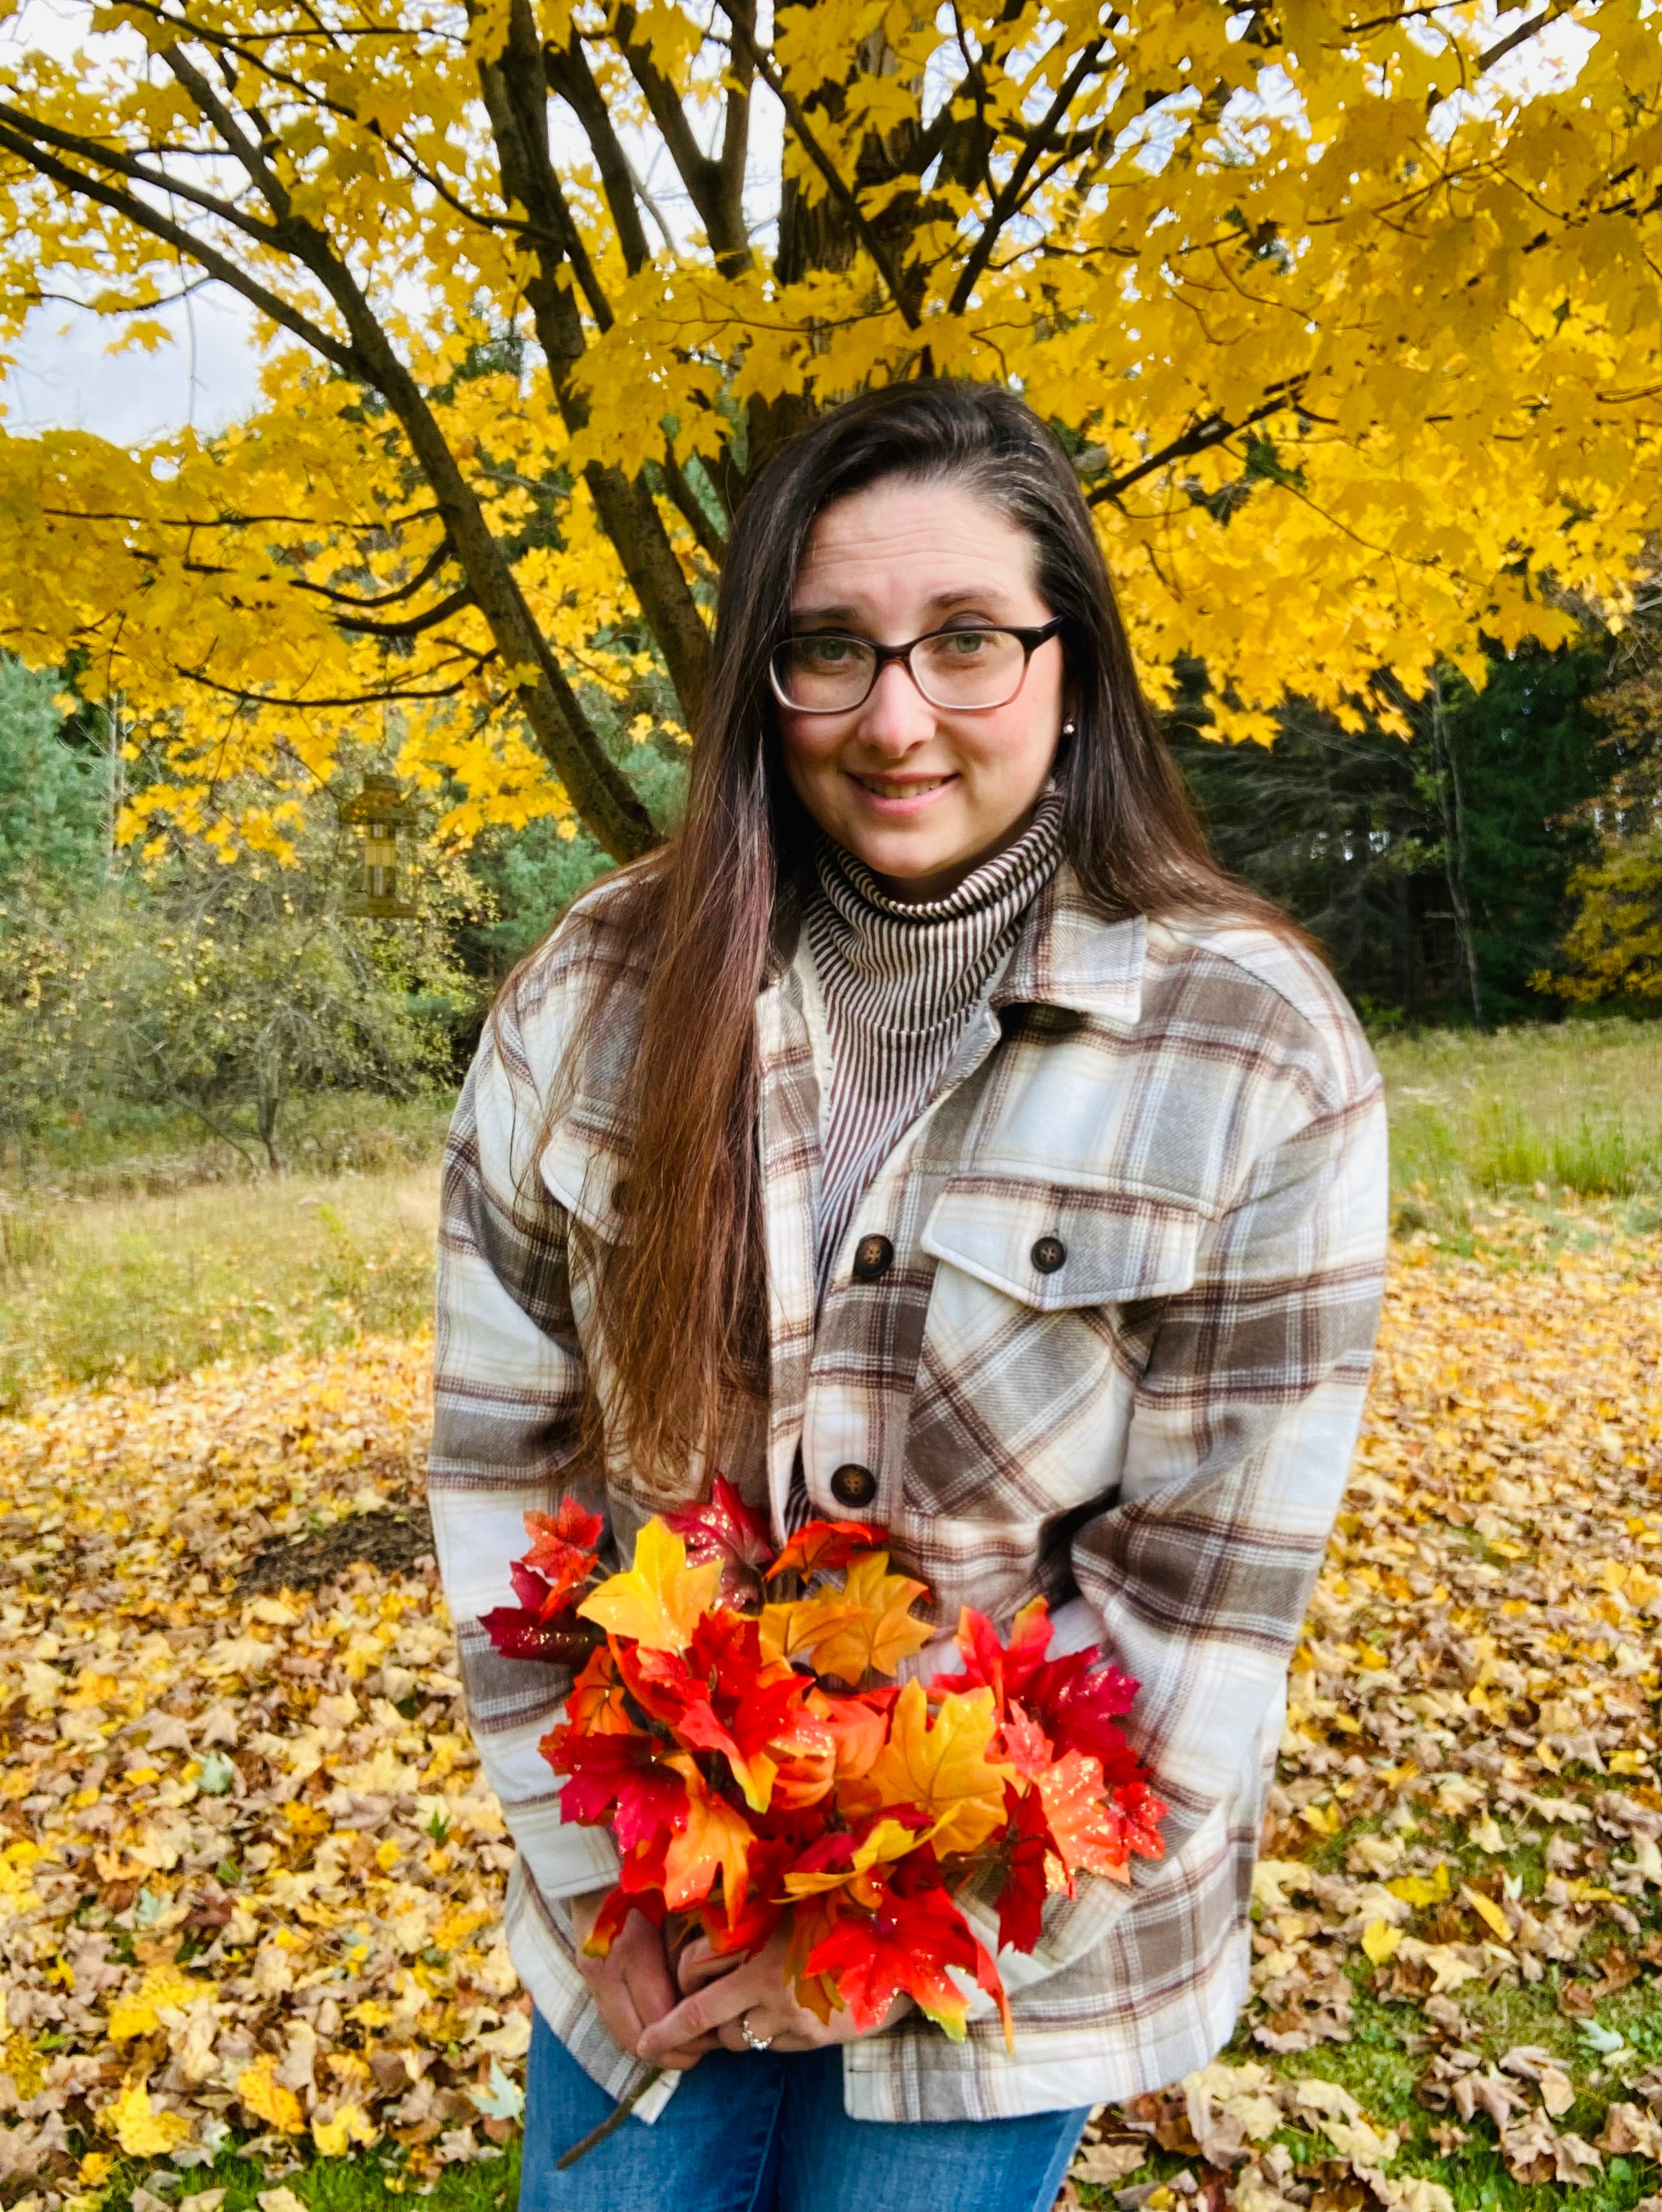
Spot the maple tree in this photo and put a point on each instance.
(1347, 314)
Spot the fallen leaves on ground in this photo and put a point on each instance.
(250, 1879)
(1457, 1936)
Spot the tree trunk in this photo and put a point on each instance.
(1454, 859)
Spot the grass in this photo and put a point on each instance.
(110, 1152)
(139, 1247)
(365, 2183)
(145, 1287)
(1537, 1114)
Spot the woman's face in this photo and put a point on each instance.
(921, 794)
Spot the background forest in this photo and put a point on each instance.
(1500, 864)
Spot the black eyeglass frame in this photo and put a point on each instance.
(1029, 639)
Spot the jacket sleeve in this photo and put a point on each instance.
(1200, 1572)
(507, 1394)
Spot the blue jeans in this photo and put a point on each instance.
(748, 2131)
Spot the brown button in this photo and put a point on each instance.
(1048, 1254)
(620, 1196)
(854, 1485)
(873, 1256)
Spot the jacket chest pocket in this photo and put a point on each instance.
(1044, 1299)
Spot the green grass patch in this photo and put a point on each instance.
(153, 1286)
(1569, 1112)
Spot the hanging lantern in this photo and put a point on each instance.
(383, 823)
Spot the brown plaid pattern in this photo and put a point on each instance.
(1154, 1432)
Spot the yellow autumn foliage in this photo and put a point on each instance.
(1349, 319)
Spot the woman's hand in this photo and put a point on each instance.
(756, 1992)
(634, 1987)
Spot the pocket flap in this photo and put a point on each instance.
(1054, 1245)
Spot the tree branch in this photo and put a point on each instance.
(569, 75)
(1004, 206)
(846, 198)
(342, 357)
(1204, 435)
(412, 625)
(430, 568)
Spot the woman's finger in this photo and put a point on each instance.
(707, 2010)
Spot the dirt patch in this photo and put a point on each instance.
(393, 1542)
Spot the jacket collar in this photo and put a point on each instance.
(1068, 955)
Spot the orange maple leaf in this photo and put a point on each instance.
(1088, 1836)
(659, 1601)
(717, 1839)
(942, 1769)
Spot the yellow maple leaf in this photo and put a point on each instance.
(941, 1768)
(1381, 1941)
(659, 1601)
(1487, 1911)
(138, 2012)
(717, 1839)
(1421, 1889)
(350, 2124)
(267, 2099)
(139, 2128)
(867, 1624)
(889, 1839)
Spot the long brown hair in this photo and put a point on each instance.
(683, 1295)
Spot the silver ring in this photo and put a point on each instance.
(756, 2042)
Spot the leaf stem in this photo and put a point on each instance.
(615, 2118)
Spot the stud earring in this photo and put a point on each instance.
(1067, 729)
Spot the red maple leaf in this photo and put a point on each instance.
(1077, 1702)
(1030, 1852)
(722, 1696)
(1005, 1668)
(724, 1527)
(905, 1946)
(617, 1779)
(1140, 1814)
(521, 1633)
(819, 1546)
(561, 1548)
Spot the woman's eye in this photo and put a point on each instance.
(821, 651)
(966, 644)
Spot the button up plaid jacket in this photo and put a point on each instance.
(1153, 1429)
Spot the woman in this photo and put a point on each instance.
(930, 1134)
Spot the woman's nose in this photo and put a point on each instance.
(896, 713)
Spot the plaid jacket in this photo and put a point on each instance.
(1152, 1430)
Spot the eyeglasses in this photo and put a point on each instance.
(971, 668)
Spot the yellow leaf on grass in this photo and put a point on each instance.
(350, 2124)
(1487, 1911)
(139, 2128)
(268, 2100)
(659, 1601)
(1380, 1940)
(943, 1768)
(1434, 1888)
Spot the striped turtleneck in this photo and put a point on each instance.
(899, 984)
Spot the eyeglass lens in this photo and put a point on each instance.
(960, 668)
